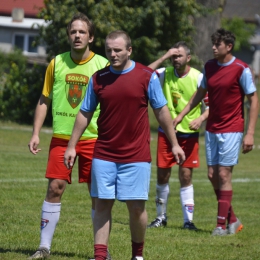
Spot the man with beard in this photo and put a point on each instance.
(179, 83)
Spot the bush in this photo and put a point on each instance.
(20, 88)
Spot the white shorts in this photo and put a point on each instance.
(223, 149)
(122, 181)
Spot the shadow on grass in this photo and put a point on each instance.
(28, 252)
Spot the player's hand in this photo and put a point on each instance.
(195, 124)
(69, 157)
(248, 143)
(33, 144)
(178, 154)
(176, 121)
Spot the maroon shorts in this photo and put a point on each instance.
(56, 168)
(190, 146)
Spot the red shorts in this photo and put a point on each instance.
(56, 168)
(190, 146)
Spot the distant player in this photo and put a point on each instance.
(179, 83)
(227, 80)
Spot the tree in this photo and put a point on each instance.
(205, 25)
(154, 26)
(243, 31)
(20, 88)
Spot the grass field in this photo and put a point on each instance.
(23, 187)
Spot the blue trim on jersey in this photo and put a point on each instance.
(123, 71)
(90, 102)
(155, 93)
(246, 82)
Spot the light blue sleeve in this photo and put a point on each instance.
(246, 82)
(155, 93)
(90, 100)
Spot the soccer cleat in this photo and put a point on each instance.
(158, 222)
(189, 225)
(219, 231)
(41, 253)
(108, 256)
(139, 258)
(235, 227)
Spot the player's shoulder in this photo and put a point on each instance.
(144, 68)
(194, 70)
(102, 72)
(100, 57)
(241, 63)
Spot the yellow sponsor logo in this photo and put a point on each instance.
(77, 79)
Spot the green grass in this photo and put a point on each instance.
(23, 188)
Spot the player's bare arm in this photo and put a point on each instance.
(248, 140)
(164, 118)
(171, 52)
(39, 117)
(194, 101)
(81, 123)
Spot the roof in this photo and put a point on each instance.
(243, 9)
(26, 23)
(31, 8)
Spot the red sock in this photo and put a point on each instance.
(137, 249)
(224, 204)
(231, 215)
(100, 252)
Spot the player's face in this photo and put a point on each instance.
(117, 53)
(180, 60)
(79, 38)
(220, 50)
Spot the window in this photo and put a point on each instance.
(25, 42)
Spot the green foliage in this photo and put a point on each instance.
(242, 30)
(20, 87)
(152, 25)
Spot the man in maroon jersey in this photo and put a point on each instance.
(227, 80)
(122, 161)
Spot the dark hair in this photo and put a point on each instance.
(222, 35)
(84, 18)
(182, 44)
(120, 33)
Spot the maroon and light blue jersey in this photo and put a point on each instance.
(123, 123)
(227, 85)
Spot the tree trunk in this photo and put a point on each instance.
(205, 27)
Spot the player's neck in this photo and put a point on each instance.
(225, 58)
(80, 55)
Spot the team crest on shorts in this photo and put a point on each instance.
(189, 208)
(75, 88)
(44, 223)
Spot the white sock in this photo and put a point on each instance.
(49, 220)
(92, 214)
(139, 258)
(162, 192)
(187, 202)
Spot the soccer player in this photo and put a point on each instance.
(179, 83)
(228, 80)
(66, 81)
(122, 162)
